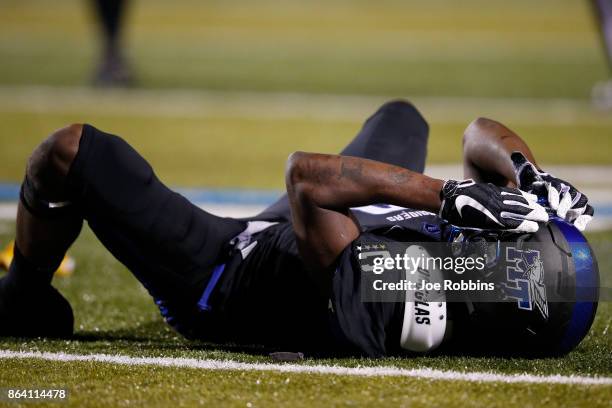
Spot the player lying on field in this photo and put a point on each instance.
(287, 277)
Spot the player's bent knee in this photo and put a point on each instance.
(51, 160)
(64, 147)
(406, 111)
(398, 105)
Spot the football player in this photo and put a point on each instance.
(287, 277)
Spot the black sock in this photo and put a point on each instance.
(23, 273)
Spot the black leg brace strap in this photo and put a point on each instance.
(40, 207)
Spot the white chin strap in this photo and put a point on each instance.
(424, 320)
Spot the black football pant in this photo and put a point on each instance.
(170, 244)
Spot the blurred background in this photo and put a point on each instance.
(216, 94)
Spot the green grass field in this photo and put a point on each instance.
(239, 149)
(226, 90)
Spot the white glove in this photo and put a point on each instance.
(563, 198)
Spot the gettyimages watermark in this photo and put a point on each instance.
(530, 274)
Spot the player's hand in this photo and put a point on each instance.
(563, 198)
(485, 205)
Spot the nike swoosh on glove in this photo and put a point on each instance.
(563, 198)
(487, 206)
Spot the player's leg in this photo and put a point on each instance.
(113, 69)
(395, 134)
(47, 224)
(167, 242)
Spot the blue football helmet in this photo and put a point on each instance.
(547, 290)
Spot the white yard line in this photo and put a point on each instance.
(284, 105)
(419, 373)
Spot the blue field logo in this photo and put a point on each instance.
(525, 279)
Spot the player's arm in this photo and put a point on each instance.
(322, 188)
(493, 153)
(487, 149)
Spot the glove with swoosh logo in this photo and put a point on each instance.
(487, 206)
(563, 198)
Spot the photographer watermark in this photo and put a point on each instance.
(411, 264)
(33, 394)
(525, 273)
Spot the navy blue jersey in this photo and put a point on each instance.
(382, 218)
(268, 296)
(373, 328)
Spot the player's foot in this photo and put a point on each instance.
(33, 311)
(113, 71)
